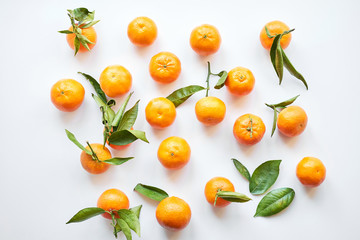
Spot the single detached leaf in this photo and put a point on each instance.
(131, 219)
(264, 177)
(232, 197)
(129, 118)
(182, 94)
(221, 81)
(96, 86)
(292, 70)
(124, 228)
(117, 160)
(151, 192)
(136, 210)
(241, 168)
(275, 201)
(277, 57)
(72, 138)
(120, 112)
(125, 137)
(85, 214)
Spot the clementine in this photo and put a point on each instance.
(174, 153)
(249, 129)
(311, 171)
(142, 31)
(112, 200)
(95, 166)
(240, 81)
(292, 121)
(67, 95)
(115, 81)
(173, 213)
(160, 112)
(275, 27)
(205, 40)
(210, 110)
(165, 67)
(213, 186)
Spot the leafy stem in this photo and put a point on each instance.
(221, 82)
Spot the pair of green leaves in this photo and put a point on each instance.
(113, 161)
(117, 125)
(280, 60)
(280, 105)
(181, 95)
(85, 19)
(128, 219)
(260, 181)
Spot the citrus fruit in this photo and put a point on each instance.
(142, 31)
(240, 81)
(249, 129)
(67, 95)
(205, 40)
(89, 33)
(173, 213)
(311, 171)
(174, 153)
(115, 81)
(160, 112)
(210, 110)
(292, 121)
(112, 200)
(213, 186)
(94, 166)
(165, 67)
(275, 27)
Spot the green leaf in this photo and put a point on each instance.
(268, 33)
(275, 201)
(96, 86)
(277, 57)
(83, 15)
(108, 114)
(286, 102)
(231, 197)
(274, 122)
(264, 177)
(151, 192)
(124, 228)
(66, 32)
(120, 112)
(90, 24)
(131, 219)
(241, 168)
(85, 214)
(292, 70)
(136, 210)
(76, 45)
(125, 137)
(181, 95)
(117, 160)
(72, 138)
(221, 81)
(129, 118)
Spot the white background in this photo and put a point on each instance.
(42, 183)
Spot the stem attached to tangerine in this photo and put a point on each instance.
(93, 154)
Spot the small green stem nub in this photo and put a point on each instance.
(250, 129)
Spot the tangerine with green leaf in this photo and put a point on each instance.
(81, 36)
(112, 200)
(274, 28)
(213, 186)
(249, 129)
(94, 163)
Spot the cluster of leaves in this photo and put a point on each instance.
(128, 219)
(85, 19)
(181, 95)
(280, 105)
(260, 181)
(280, 60)
(117, 125)
(113, 161)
